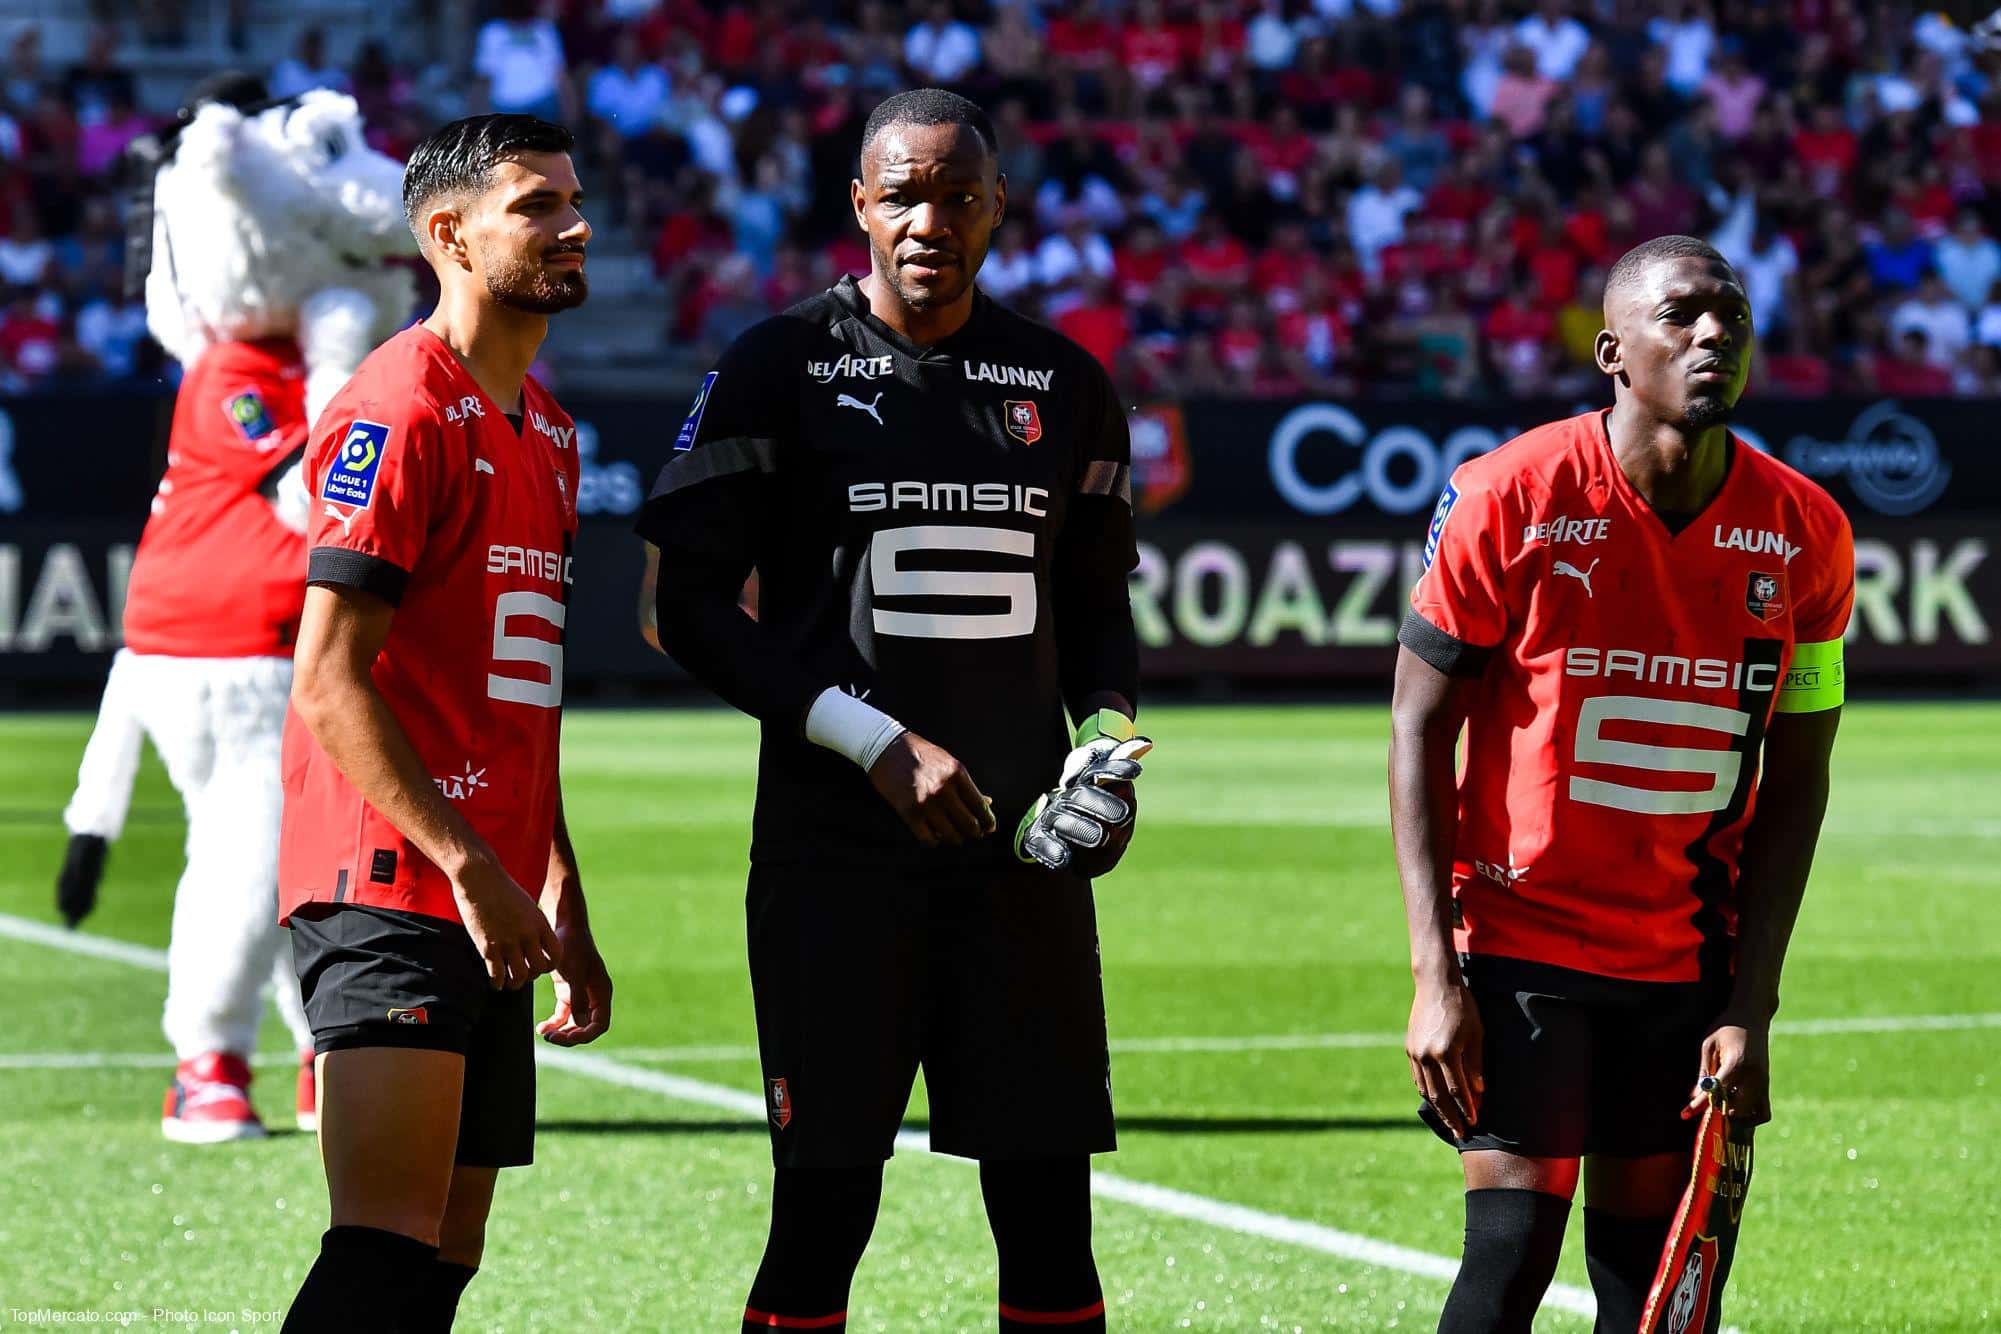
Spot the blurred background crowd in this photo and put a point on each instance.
(1214, 197)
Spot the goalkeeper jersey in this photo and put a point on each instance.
(1625, 677)
(944, 531)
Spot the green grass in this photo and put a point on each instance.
(1259, 899)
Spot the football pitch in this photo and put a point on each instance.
(1271, 1176)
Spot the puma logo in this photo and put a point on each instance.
(850, 401)
(1582, 576)
(345, 519)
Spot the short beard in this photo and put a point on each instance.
(1705, 411)
(919, 298)
(528, 287)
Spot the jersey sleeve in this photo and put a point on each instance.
(258, 426)
(706, 500)
(1097, 648)
(1815, 680)
(379, 485)
(1458, 607)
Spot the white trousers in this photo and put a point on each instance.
(218, 725)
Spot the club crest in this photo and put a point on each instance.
(1765, 595)
(1023, 422)
(779, 1098)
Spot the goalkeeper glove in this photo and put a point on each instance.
(1085, 823)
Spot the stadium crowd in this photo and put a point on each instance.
(1261, 197)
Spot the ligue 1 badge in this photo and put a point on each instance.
(781, 1103)
(1765, 595)
(1023, 422)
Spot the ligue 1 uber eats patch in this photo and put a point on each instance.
(351, 478)
(247, 413)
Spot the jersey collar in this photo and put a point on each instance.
(1622, 485)
(847, 293)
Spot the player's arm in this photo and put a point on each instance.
(583, 986)
(1458, 615)
(1443, 1039)
(708, 515)
(1086, 821)
(649, 614)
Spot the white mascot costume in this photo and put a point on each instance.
(267, 282)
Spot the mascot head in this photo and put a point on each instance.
(268, 218)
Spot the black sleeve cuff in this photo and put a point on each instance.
(357, 569)
(1454, 657)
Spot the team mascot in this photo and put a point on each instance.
(269, 226)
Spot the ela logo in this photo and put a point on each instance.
(1446, 500)
(247, 413)
(351, 476)
(693, 422)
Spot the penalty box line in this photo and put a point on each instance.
(1166, 1200)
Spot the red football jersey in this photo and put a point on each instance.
(1626, 675)
(216, 575)
(425, 494)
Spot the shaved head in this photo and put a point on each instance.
(1633, 265)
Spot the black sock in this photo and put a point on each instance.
(1622, 1255)
(1040, 1211)
(436, 1302)
(1513, 1238)
(364, 1279)
(821, 1218)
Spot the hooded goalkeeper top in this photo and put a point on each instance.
(426, 495)
(1626, 674)
(944, 531)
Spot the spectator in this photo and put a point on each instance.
(1899, 258)
(307, 69)
(1521, 332)
(1906, 369)
(1686, 35)
(25, 254)
(30, 338)
(1417, 145)
(1581, 319)
(1138, 262)
(1098, 322)
(1008, 276)
(630, 93)
(1271, 41)
(1521, 96)
(97, 84)
(1734, 91)
(1662, 205)
(1968, 260)
(1064, 260)
(24, 79)
(110, 329)
(1792, 368)
(1933, 312)
(1377, 211)
(1150, 53)
(101, 141)
(1558, 40)
(1217, 264)
(941, 49)
(1767, 267)
(520, 55)
(1177, 208)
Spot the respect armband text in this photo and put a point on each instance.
(1814, 680)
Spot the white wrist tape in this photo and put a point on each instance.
(860, 731)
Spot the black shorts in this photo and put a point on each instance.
(379, 977)
(1579, 1064)
(987, 978)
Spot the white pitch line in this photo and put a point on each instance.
(1200, 1043)
(1158, 1199)
(117, 1060)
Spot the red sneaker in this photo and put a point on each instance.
(307, 1104)
(209, 1101)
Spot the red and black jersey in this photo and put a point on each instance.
(1626, 674)
(427, 495)
(216, 574)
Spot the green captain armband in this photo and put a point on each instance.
(1105, 725)
(1814, 681)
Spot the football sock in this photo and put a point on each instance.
(1513, 1238)
(364, 1278)
(435, 1303)
(1622, 1255)
(821, 1218)
(1040, 1211)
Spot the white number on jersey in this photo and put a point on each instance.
(1720, 765)
(545, 694)
(889, 579)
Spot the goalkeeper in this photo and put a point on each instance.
(934, 492)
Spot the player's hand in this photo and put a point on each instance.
(76, 883)
(1086, 821)
(1738, 1055)
(1443, 1043)
(932, 791)
(506, 925)
(583, 991)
